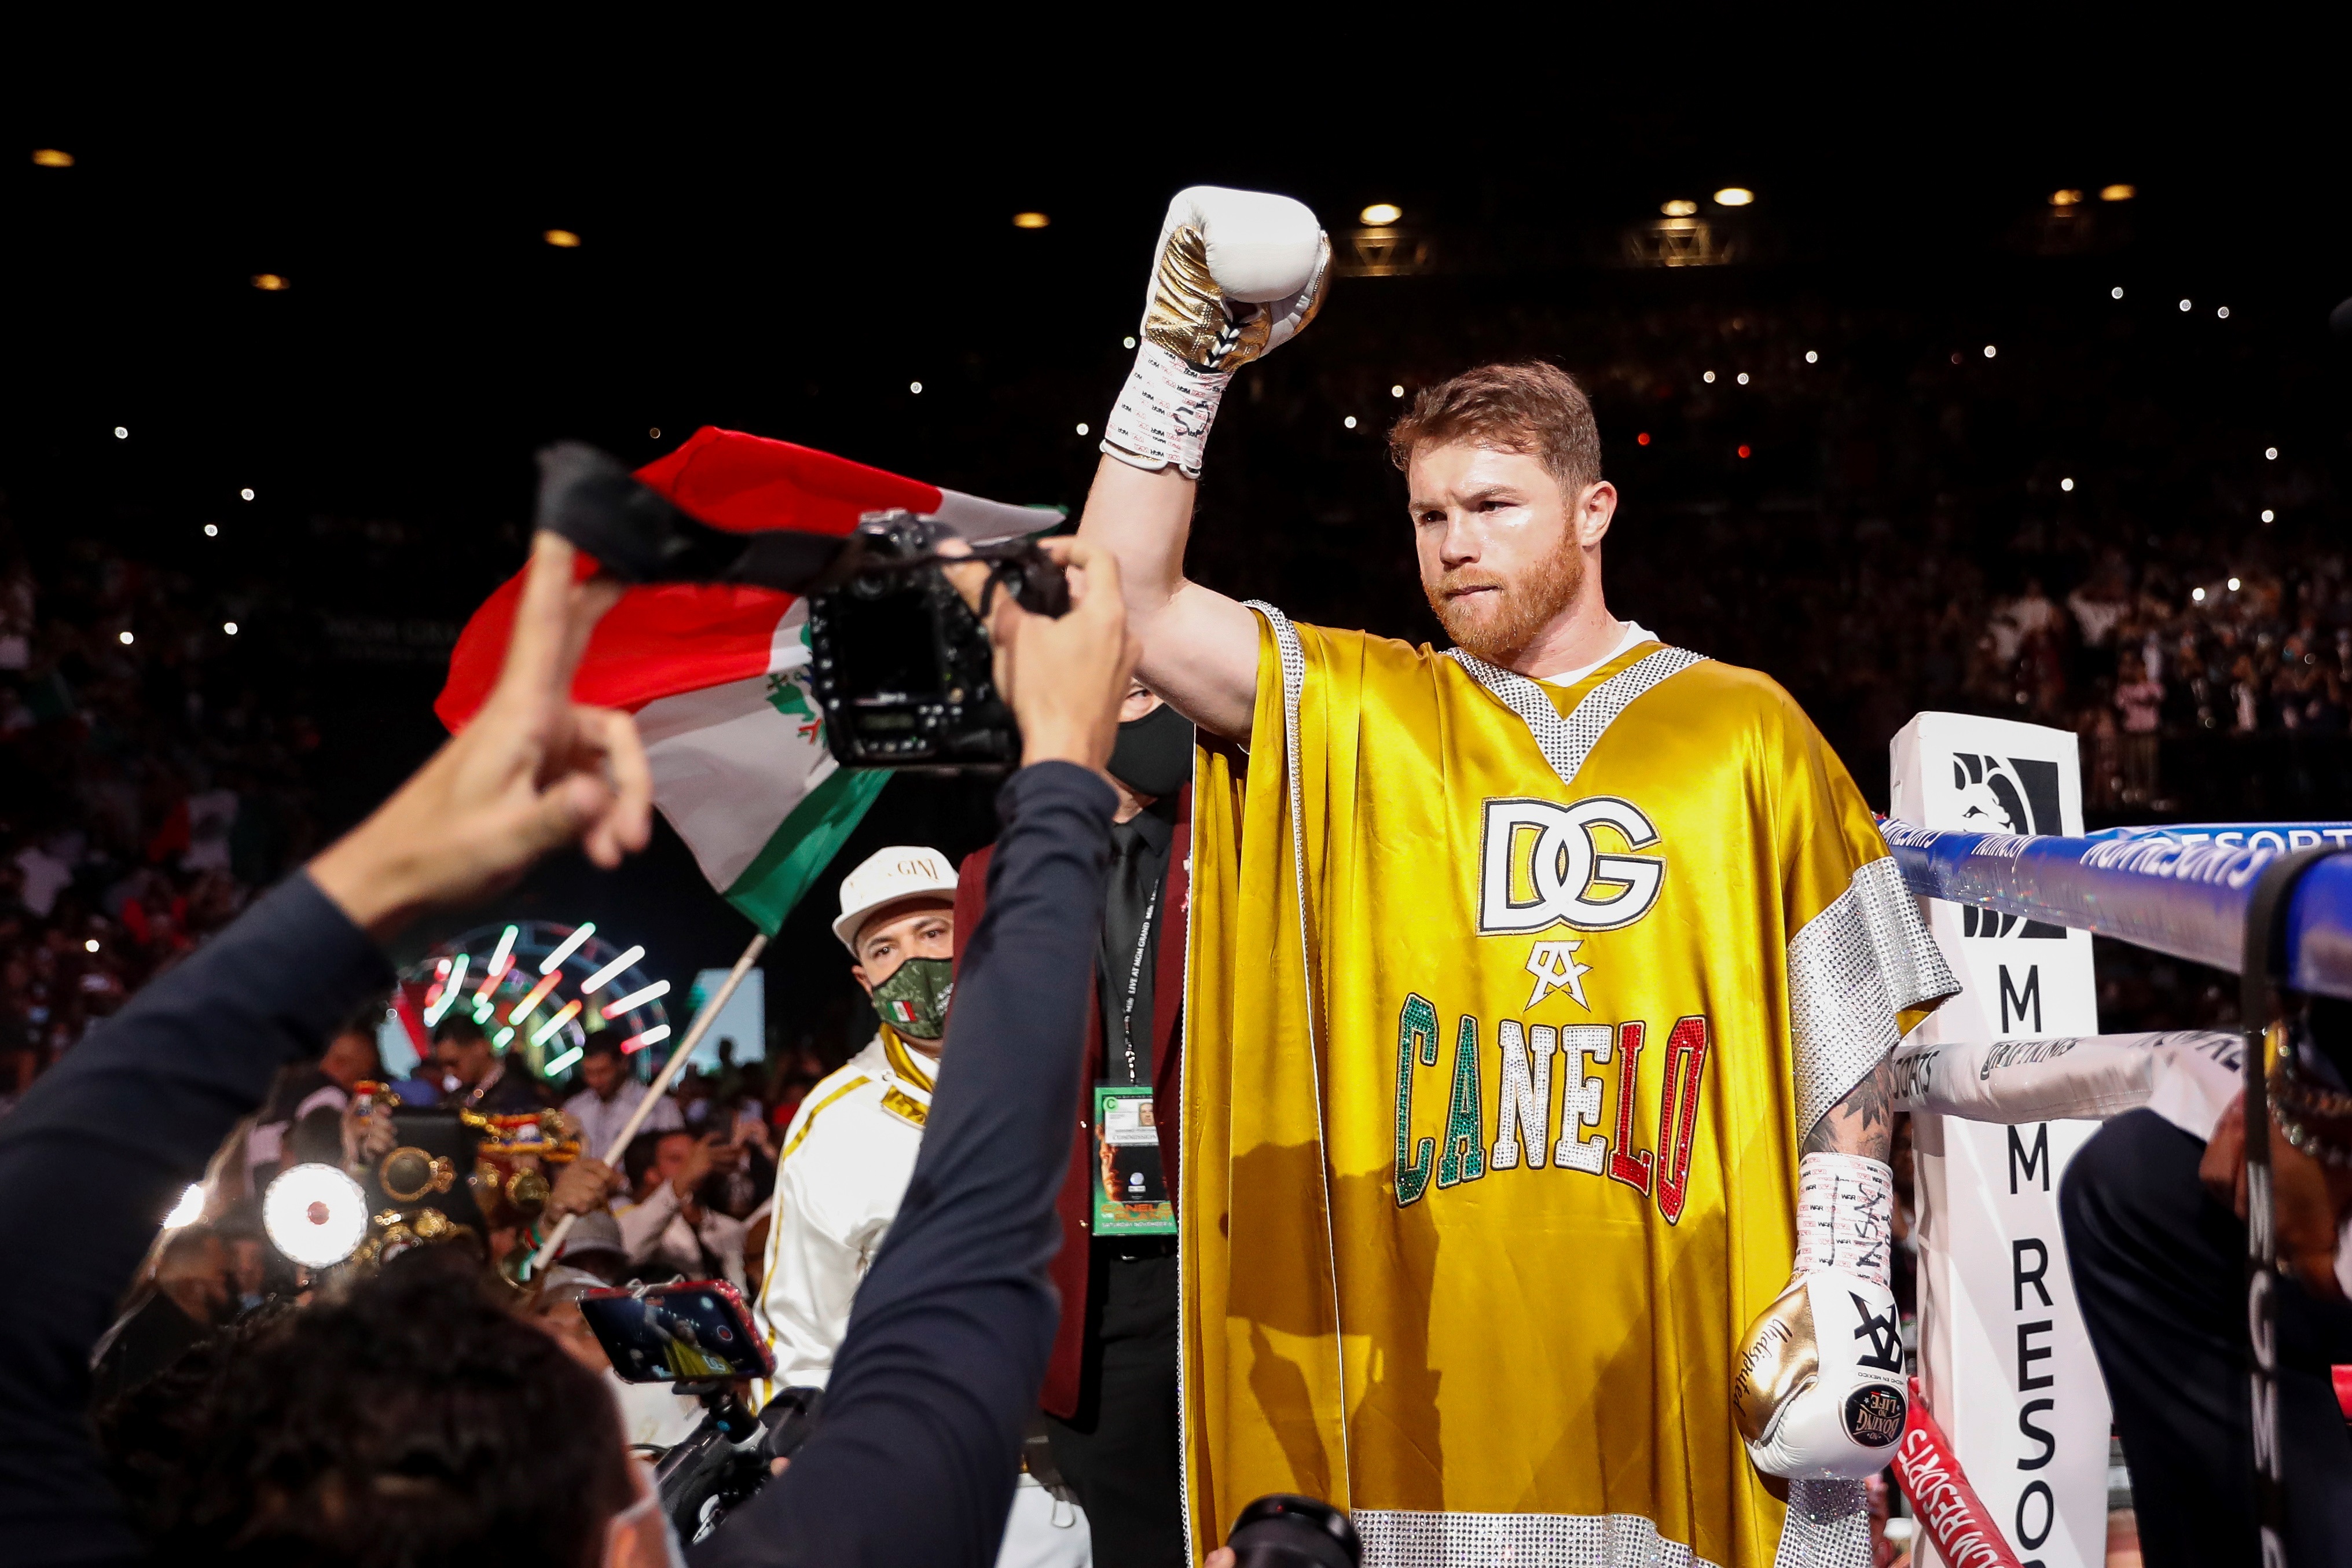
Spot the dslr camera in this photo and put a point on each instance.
(901, 666)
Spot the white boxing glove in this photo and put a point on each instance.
(1237, 274)
(1819, 1393)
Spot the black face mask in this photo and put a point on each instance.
(1154, 755)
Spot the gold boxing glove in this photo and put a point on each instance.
(1237, 275)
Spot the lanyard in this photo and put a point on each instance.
(1135, 983)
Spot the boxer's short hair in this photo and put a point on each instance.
(1535, 409)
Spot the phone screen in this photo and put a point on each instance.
(692, 1331)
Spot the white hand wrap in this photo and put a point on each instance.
(1237, 275)
(1819, 1394)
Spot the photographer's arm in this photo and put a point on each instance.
(91, 1159)
(915, 1457)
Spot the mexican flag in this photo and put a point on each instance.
(717, 676)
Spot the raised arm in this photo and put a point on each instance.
(1237, 274)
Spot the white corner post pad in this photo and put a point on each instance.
(1162, 417)
(1845, 1216)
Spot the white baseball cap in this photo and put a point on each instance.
(902, 871)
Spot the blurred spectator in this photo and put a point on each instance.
(612, 1096)
(474, 1075)
(672, 1228)
(191, 1293)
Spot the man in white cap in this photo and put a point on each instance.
(850, 1151)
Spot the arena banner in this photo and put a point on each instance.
(2003, 1354)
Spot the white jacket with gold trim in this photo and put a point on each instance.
(847, 1157)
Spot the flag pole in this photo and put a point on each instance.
(703, 1019)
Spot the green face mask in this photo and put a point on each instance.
(914, 999)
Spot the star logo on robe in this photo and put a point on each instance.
(1554, 965)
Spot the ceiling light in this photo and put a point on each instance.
(1812, 358)
(915, 387)
(2117, 292)
(2268, 516)
(1733, 197)
(1030, 220)
(2223, 313)
(2269, 453)
(1082, 429)
(1381, 213)
(52, 158)
(1643, 439)
(1744, 452)
(212, 530)
(2197, 594)
(274, 283)
(2233, 585)
(1678, 208)
(1708, 377)
(2184, 305)
(1743, 377)
(1396, 391)
(1350, 422)
(1126, 342)
(246, 494)
(123, 638)
(1990, 350)
(2118, 193)
(229, 627)
(2065, 198)
(90, 945)
(121, 433)
(654, 434)
(561, 239)
(2065, 484)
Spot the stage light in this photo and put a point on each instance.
(1030, 220)
(2197, 594)
(653, 1036)
(121, 433)
(123, 637)
(2233, 585)
(2065, 484)
(188, 1210)
(1743, 377)
(2184, 305)
(2268, 516)
(498, 1041)
(2118, 193)
(1744, 453)
(272, 282)
(2223, 313)
(450, 987)
(566, 1060)
(1643, 439)
(531, 999)
(2117, 292)
(1708, 377)
(246, 494)
(90, 946)
(915, 387)
(561, 239)
(564, 1015)
(1678, 208)
(1733, 197)
(229, 627)
(637, 1000)
(315, 1214)
(1126, 342)
(52, 158)
(1990, 350)
(1379, 215)
(212, 530)
(2269, 453)
(569, 945)
(1349, 422)
(1396, 391)
(2065, 198)
(610, 972)
(1812, 358)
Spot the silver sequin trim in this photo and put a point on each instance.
(1395, 1538)
(1828, 1527)
(1854, 966)
(1567, 742)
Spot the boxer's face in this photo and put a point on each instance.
(1503, 553)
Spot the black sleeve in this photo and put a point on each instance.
(914, 1460)
(95, 1156)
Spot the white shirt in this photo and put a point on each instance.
(656, 1237)
(600, 1119)
(1635, 635)
(847, 1157)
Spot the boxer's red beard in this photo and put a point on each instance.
(1503, 622)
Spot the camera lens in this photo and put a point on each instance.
(1285, 1531)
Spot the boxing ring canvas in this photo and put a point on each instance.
(2004, 1357)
